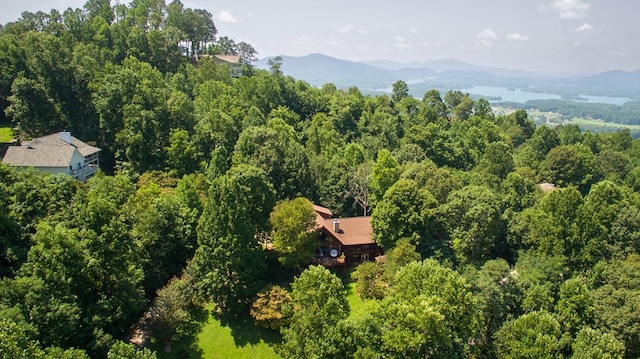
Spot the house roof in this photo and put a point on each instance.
(47, 151)
(352, 230)
(322, 211)
(232, 59)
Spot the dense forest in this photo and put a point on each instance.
(202, 170)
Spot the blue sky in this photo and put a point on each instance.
(538, 35)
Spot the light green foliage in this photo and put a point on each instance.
(533, 335)
(444, 300)
(518, 191)
(460, 105)
(595, 344)
(182, 155)
(80, 262)
(370, 280)
(438, 181)
(534, 151)
(569, 134)
(417, 329)
(575, 305)
(385, 173)
(518, 127)
(573, 165)
(615, 297)
(403, 253)
(15, 344)
(122, 350)
(294, 236)
(319, 304)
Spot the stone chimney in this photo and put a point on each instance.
(336, 225)
(65, 136)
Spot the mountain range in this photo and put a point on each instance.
(378, 76)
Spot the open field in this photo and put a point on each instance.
(586, 124)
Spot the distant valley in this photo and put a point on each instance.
(599, 102)
(376, 77)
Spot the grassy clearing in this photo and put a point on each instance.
(357, 306)
(6, 135)
(238, 339)
(242, 338)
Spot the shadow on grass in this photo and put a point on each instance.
(245, 332)
(187, 345)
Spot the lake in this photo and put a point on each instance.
(517, 95)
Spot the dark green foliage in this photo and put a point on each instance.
(405, 212)
(443, 178)
(472, 216)
(229, 264)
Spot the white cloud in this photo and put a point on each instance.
(346, 28)
(225, 16)
(349, 28)
(401, 42)
(487, 34)
(584, 27)
(570, 9)
(413, 31)
(517, 37)
(486, 37)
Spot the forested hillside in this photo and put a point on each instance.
(203, 172)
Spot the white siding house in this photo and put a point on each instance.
(56, 153)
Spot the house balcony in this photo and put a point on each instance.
(85, 172)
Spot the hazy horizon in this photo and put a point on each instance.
(551, 36)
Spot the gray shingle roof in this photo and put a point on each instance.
(46, 151)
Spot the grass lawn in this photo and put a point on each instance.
(357, 306)
(6, 135)
(240, 339)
